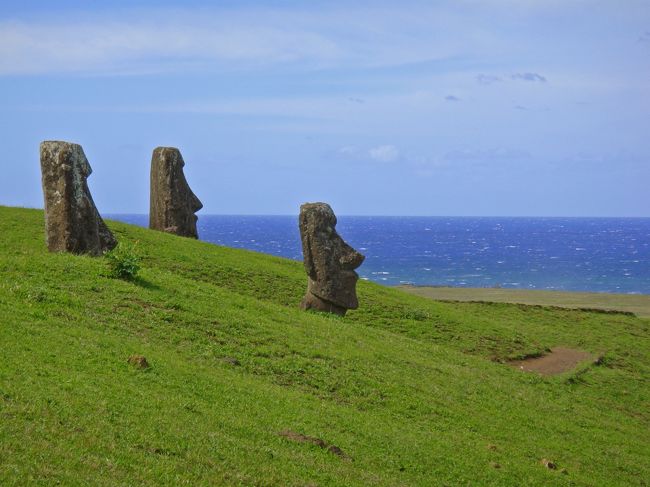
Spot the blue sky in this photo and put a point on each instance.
(463, 107)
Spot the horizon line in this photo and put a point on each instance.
(110, 214)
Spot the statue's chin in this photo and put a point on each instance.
(311, 301)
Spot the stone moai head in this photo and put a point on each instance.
(329, 262)
(173, 204)
(72, 222)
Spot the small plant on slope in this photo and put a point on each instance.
(124, 261)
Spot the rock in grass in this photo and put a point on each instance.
(138, 361)
(548, 464)
(232, 361)
(300, 438)
(72, 222)
(172, 203)
(329, 262)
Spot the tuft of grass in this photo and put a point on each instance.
(124, 261)
(408, 387)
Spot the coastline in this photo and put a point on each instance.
(638, 304)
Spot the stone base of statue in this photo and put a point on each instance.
(310, 301)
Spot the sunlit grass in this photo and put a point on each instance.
(413, 390)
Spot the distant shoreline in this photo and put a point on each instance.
(638, 304)
(583, 255)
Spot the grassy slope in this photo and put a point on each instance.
(410, 388)
(639, 304)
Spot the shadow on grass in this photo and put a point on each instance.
(137, 281)
(145, 284)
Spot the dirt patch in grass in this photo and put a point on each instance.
(559, 360)
(138, 361)
(300, 438)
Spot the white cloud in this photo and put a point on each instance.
(127, 46)
(348, 151)
(487, 79)
(384, 153)
(534, 77)
(152, 40)
(135, 41)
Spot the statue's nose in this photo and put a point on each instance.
(351, 259)
(195, 203)
(86, 170)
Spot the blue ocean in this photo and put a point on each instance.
(570, 254)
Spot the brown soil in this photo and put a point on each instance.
(138, 361)
(232, 361)
(300, 438)
(559, 360)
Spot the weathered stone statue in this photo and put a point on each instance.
(172, 204)
(329, 262)
(72, 222)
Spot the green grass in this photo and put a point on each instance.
(412, 389)
(639, 304)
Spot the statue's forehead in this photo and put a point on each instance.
(72, 157)
(324, 220)
(173, 158)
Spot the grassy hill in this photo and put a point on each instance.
(414, 391)
(638, 304)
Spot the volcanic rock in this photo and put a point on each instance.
(173, 204)
(328, 260)
(72, 222)
(138, 361)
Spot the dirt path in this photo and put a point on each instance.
(639, 304)
(558, 360)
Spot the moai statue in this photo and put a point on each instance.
(172, 204)
(329, 262)
(72, 222)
